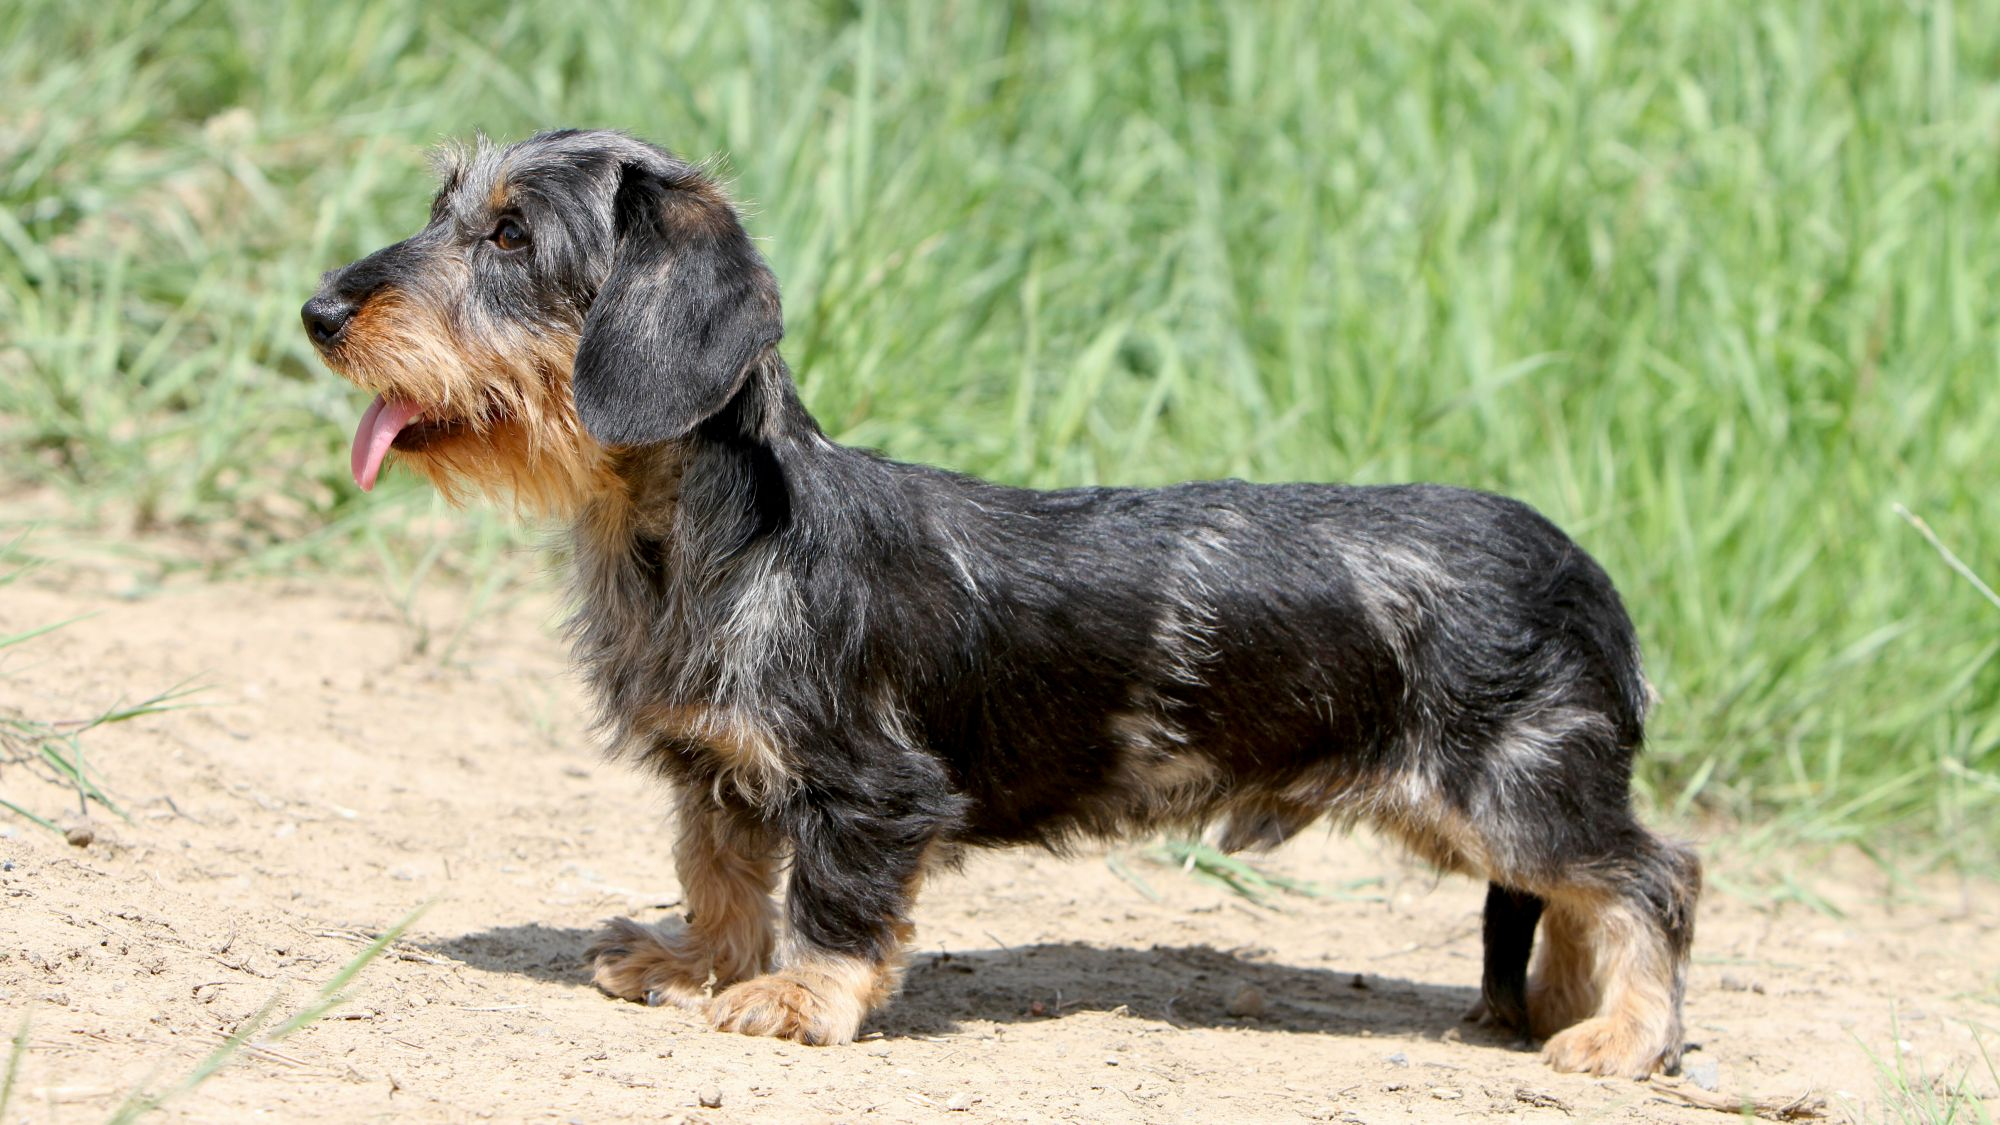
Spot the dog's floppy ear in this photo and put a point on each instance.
(685, 311)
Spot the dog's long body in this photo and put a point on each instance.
(854, 667)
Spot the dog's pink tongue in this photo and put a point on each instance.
(384, 419)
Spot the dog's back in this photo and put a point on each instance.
(1118, 659)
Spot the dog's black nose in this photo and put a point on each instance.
(326, 318)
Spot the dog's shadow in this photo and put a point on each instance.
(545, 953)
(1187, 985)
(1190, 986)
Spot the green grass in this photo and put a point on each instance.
(52, 751)
(1204, 863)
(250, 1035)
(1911, 1095)
(1713, 284)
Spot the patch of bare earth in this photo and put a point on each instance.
(333, 778)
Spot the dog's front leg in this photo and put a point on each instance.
(858, 853)
(727, 863)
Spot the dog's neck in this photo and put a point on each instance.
(686, 521)
(699, 502)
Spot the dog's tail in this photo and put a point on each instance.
(1605, 637)
(1636, 693)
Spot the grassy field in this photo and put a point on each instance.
(1712, 284)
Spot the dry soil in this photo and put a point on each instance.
(345, 763)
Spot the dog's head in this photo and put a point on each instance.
(572, 292)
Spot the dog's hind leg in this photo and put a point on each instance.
(1509, 937)
(727, 865)
(1617, 937)
(1617, 918)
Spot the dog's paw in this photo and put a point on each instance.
(637, 962)
(1607, 1047)
(1482, 1015)
(809, 1006)
(1509, 1020)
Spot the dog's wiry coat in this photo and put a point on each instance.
(849, 667)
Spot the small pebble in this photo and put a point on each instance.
(80, 836)
(1248, 1003)
(1706, 1074)
(1445, 1093)
(710, 1098)
(1399, 1059)
(1110, 1060)
(960, 1102)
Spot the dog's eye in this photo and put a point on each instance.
(509, 235)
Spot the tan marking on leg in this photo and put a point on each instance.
(749, 754)
(1563, 987)
(649, 964)
(727, 881)
(1432, 830)
(820, 999)
(744, 752)
(1611, 964)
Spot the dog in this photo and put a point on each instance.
(851, 669)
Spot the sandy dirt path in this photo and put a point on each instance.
(334, 777)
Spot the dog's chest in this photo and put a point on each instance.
(668, 691)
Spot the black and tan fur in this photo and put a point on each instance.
(850, 668)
